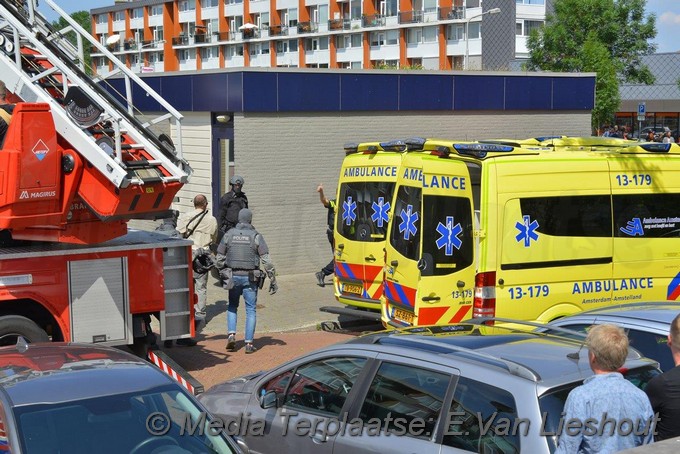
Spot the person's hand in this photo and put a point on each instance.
(273, 287)
(319, 188)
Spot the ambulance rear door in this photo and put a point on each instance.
(431, 271)
(364, 202)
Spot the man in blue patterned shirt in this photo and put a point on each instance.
(607, 413)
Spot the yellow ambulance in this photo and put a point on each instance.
(363, 203)
(534, 232)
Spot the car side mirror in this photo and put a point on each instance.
(270, 399)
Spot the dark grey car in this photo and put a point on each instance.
(72, 398)
(457, 388)
(646, 324)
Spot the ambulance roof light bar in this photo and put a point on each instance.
(351, 148)
(442, 151)
(654, 147)
(480, 150)
(393, 145)
(415, 143)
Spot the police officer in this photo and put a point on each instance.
(238, 258)
(230, 204)
(330, 206)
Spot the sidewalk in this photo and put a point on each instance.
(289, 324)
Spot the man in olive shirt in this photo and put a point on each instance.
(664, 390)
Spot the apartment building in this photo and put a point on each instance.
(178, 35)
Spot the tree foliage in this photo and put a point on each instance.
(83, 19)
(608, 37)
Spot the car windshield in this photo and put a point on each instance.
(552, 402)
(163, 419)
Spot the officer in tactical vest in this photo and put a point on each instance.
(239, 255)
(231, 204)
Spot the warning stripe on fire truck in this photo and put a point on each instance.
(167, 365)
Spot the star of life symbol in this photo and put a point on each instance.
(380, 210)
(527, 230)
(633, 228)
(349, 211)
(40, 150)
(449, 236)
(408, 222)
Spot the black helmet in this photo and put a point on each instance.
(203, 263)
(236, 179)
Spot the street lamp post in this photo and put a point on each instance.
(467, 37)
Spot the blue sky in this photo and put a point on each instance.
(667, 14)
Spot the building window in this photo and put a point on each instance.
(137, 13)
(430, 34)
(209, 3)
(158, 33)
(187, 5)
(455, 32)
(378, 38)
(119, 16)
(102, 18)
(414, 35)
(392, 37)
(156, 10)
(530, 2)
(474, 30)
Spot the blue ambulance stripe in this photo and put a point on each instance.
(345, 270)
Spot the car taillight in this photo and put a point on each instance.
(485, 295)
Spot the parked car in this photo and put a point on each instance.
(647, 325)
(426, 390)
(74, 398)
(658, 132)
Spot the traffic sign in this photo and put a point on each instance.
(641, 118)
(642, 109)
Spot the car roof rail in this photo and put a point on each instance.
(483, 320)
(511, 366)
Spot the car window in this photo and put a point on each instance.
(653, 346)
(161, 419)
(482, 419)
(400, 394)
(321, 386)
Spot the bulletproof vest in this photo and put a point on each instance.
(241, 249)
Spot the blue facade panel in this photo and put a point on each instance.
(369, 92)
(308, 92)
(271, 91)
(479, 93)
(573, 94)
(234, 92)
(210, 92)
(425, 93)
(528, 93)
(259, 92)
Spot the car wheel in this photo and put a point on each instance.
(13, 326)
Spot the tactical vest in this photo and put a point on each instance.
(241, 248)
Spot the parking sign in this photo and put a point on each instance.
(642, 108)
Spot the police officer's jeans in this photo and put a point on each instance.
(242, 286)
(201, 289)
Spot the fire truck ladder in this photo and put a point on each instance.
(41, 65)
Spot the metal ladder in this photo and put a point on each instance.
(40, 64)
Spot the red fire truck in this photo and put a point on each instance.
(77, 163)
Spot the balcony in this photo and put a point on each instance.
(410, 17)
(202, 38)
(250, 33)
(448, 13)
(307, 27)
(181, 40)
(339, 24)
(223, 36)
(278, 30)
(376, 20)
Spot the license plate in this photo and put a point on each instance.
(403, 316)
(352, 288)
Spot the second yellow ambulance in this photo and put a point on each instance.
(535, 234)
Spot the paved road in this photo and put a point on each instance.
(289, 324)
